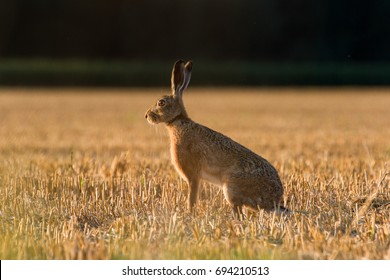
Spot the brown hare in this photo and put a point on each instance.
(199, 153)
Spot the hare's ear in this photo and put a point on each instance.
(181, 76)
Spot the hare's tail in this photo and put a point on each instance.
(283, 210)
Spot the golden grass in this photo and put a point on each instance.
(83, 176)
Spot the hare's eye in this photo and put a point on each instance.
(161, 103)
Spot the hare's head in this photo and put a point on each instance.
(170, 107)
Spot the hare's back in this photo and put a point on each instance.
(229, 152)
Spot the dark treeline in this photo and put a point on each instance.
(233, 42)
(264, 30)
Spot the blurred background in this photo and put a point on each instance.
(243, 43)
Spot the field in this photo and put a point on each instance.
(84, 176)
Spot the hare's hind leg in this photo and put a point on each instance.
(232, 196)
(254, 193)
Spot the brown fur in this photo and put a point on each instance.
(199, 153)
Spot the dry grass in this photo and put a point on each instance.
(83, 176)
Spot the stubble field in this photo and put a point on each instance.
(83, 176)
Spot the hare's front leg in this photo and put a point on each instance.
(194, 188)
